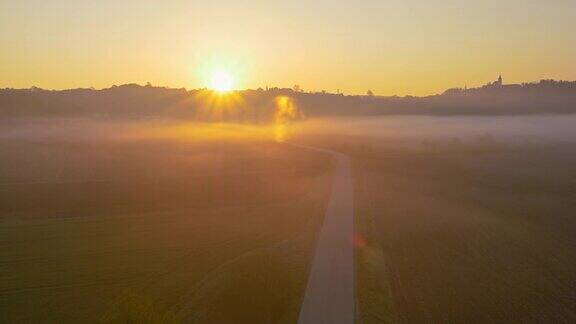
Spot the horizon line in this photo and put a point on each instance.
(268, 88)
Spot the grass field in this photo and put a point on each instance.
(167, 230)
(457, 231)
(156, 231)
(480, 236)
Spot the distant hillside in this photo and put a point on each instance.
(135, 101)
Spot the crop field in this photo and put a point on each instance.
(156, 231)
(466, 232)
(167, 229)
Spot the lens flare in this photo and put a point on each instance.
(286, 112)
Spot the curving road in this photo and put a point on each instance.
(329, 296)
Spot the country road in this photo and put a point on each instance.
(329, 296)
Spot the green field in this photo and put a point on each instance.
(218, 230)
(463, 231)
(156, 231)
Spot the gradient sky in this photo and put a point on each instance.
(389, 46)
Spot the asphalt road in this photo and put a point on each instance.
(329, 296)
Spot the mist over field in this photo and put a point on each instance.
(78, 129)
(507, 129)
(435, 197)
(532, 129)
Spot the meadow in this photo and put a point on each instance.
(457, 220)
(462, 220)
(97, 227)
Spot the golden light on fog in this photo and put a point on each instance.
(221, 81)
(286, 112)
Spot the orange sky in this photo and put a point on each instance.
(391, 47)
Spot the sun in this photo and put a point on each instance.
(221, 81)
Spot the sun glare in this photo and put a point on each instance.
(221, 81)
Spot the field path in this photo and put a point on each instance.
(329, 296)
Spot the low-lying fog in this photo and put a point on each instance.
(532, 129)
(525, 129)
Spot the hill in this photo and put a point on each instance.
(132, 100)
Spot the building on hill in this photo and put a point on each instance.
(494, 85)
(498, 84)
